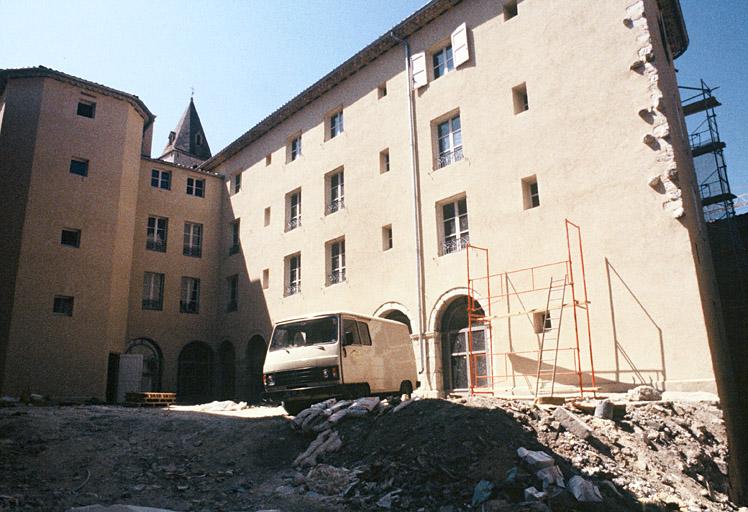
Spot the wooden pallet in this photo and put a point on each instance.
(149, 399)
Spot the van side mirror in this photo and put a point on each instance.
(348, 339)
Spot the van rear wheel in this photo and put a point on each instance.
(406, 387)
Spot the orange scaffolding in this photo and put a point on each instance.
(486, 291)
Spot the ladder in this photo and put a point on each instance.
(551, 330)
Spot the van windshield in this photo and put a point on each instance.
(305, 333)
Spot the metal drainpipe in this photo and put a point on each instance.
(416, 202)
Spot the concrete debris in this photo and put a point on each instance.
(227, 405)
(570, 422)
(584, 490)
(643, 394)
(329, 480)
(535, 460)
(604, 409)
(551, 475)
(117, 508)
(532, 494)
(482, 492)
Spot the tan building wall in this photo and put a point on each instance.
(582, 137)
(50, 353)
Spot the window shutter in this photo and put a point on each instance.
(418, 67)
(460, 51)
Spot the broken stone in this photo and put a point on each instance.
(550, 475)
(328, 480)
(571, 423)
(535, 460)
(482, 492)
(643, 394)
(604, 409)
(532, 494)
(654, 181)
(584, 490)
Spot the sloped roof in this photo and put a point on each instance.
(189, 136)
(45, 72)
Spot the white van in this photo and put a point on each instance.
(337, 355)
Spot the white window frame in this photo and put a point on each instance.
(195, 187)
(455, 229)
(294, 210)
(449, 143)
(337, 262)
(237, 182)
(190, 298)
(293, 266)
(153, 291)
(442, 61)
(335, 122)
(193, 239)
(294, 148)
(336, 191)
(156, 236)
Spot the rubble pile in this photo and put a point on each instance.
(501, 455)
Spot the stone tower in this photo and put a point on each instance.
(187, 145)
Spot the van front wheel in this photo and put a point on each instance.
(406, 387)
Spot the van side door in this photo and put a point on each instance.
(356, 354)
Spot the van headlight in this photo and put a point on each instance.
(330, 373)
(269, 381)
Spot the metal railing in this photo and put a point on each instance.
(336, 276)
(335, 205)
(293, 223)
(448, 157)
(293, 289)
(455, 245)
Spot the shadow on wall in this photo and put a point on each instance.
(626, 308)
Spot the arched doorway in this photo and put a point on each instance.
(461, 365)
(153, 361)
(227, 369)
(398, 316)
(195, 373)
(256, 350)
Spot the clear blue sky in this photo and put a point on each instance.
(246, 58)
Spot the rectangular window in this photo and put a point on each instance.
(293, 148)
(235, 241)
(530, 194)
(519, 97)
(232, 285)
(336, 251)
(335, 123)
(265, 279)
(86, 108)
(237, 182)
(267, 217)
(442, 61)
(63, 305)
(387, 238)
(510, 9)
(156, 234)
(71, 237)
(193, 239)
(335, 192)
(195, 187)
(190, 301)
(161, 179)
(455, 225)
(382, 90)
(79, 166)
(384, 161)
(541, 321)
(293, 273)
(293, 212)
(153, 291)
(268, 159)
(449, 142)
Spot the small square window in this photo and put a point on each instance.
(161, 179)
(266, 279)
(519, 97)
(384, 161)
(442, 61)
(541, 321)
(382, 90)
(530, 193)
(237, 182)
(267, 217)
(293, 148)
(79, 166)
(268, 159)
(510, 9)
(195, 187)
(387, 238)
(86, 108)
(71, 237)
(63, 305)
(335, 124)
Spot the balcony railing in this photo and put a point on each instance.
(455, 244)
(293, 223)
(336, 276)
(448, 157)
(293, 289)
(335, 205)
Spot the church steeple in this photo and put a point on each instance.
(187, 145)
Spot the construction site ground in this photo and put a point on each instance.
(430, 455)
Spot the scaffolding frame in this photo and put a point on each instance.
(480, 313)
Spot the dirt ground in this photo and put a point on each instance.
(427, 456)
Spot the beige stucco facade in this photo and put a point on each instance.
(602, 136)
